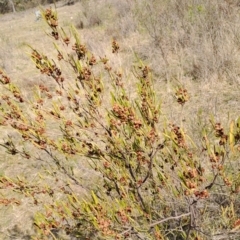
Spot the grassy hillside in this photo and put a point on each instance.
(188, 45)
(7, 6)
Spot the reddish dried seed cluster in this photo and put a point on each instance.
(47, 67)
(52, 21)
(126, 115)
(80, 50)
(219, 132)
(4, 79)
(182, 95)
(115, 46)
(178, 136)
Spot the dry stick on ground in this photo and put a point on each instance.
(223, 236)
(169, 218)
(160, 221)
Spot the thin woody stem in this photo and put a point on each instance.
(170, 218)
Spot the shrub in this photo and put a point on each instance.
(189, 37)
(149, 179)
(4, 6)
(93, 14)
(115, 16)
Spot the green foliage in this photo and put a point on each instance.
(4, 6)
(149, 181)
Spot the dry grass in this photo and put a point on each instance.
(196, 46)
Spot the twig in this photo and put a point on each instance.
(62, 168)
(126, 231)
(170, 218)
(222, 236)
(213, 182)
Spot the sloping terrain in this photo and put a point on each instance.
(217, 95)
